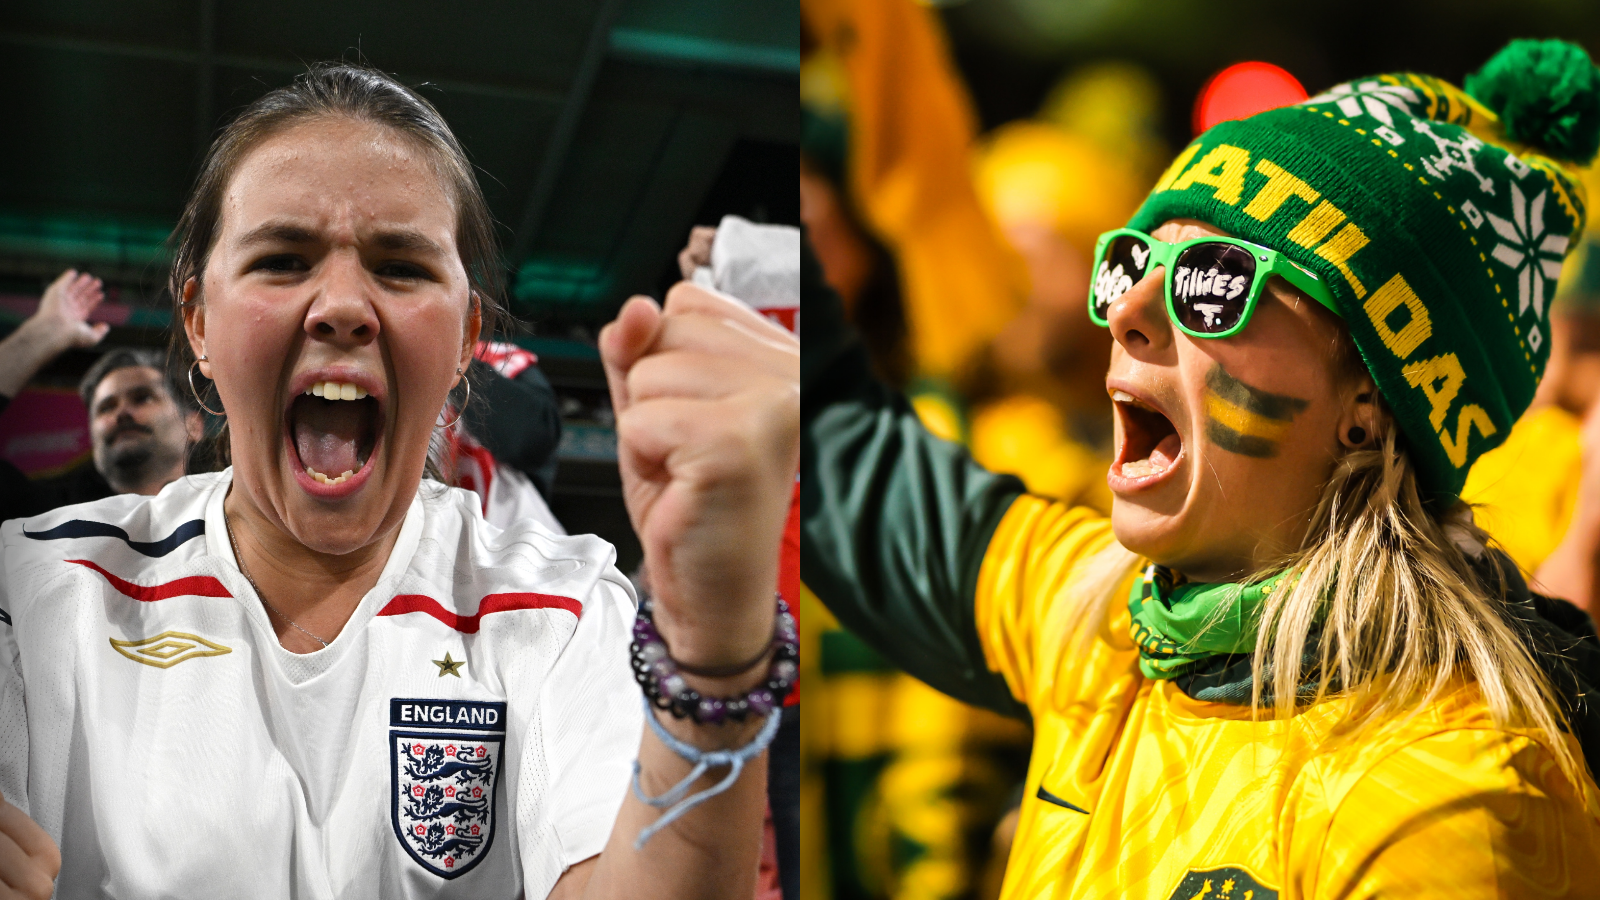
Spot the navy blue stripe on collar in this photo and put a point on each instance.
(81, 528)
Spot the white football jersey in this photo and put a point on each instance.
(470, 732)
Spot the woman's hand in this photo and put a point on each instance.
(29, 860)
(707, 397)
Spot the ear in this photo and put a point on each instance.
(1360, 411)
(469, 344)
(194, 322)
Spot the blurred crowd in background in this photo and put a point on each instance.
(957, 165)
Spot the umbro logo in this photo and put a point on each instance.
(168, 648)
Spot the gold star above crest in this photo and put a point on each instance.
(448, 665)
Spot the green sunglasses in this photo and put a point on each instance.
(1212, 283)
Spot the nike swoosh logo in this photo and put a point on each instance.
(81, 528)
(1048, 797)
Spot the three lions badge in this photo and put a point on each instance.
(445, 765)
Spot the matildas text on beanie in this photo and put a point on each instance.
(1439, 218)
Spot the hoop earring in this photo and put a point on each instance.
(464, 403)
(192, 366)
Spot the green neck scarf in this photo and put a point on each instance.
(1178, 624)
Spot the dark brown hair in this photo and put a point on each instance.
(335, 91)
(132, 358)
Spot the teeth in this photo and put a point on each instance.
(1131, 400)
(323, 479)
(1139, 468)
(337, 390)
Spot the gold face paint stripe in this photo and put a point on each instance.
(1244, 422)
(1262, 403)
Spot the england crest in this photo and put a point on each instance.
(445, 759)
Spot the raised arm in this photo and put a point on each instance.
(895, 522)
(60, 323)
(707, 399)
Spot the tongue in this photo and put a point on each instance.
(325, 434)
(1166, 452)
(1160, 459)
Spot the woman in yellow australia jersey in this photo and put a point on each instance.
(1288, 665)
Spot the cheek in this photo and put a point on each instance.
(425, 332)
(248, 335)
(424, 344)
(1264, 415)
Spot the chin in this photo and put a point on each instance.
(1155, 535)
(336, 532)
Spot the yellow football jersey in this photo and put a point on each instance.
(1135, 790)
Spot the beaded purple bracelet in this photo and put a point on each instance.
(664, 686)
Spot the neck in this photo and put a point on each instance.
(316, 591)
(142, 482)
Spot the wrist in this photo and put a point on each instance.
(45, 337)
(720, 736)
(753, 687)
(722, 640)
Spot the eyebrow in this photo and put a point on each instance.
(277, 233)
(400, 239)
(406, 239)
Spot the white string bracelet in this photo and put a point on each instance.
(674, 800)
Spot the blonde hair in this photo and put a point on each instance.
(1404, 615)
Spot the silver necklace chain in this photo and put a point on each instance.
(238, 558)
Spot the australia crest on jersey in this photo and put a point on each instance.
(445, 762)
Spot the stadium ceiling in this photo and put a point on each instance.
(599, 127)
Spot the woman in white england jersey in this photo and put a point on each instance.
(316, 674)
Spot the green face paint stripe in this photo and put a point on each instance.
(1242, 444)
(1272, 406)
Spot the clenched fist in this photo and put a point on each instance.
(707, 397)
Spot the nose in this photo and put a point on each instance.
(341, 309)
(1138, 319)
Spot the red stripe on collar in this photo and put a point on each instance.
(412, 603)
(192, 586)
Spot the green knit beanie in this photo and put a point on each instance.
(1438, 218)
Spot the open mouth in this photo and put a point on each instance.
(1151, 445)
(333, 427)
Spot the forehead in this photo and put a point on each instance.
(1175, 230)
(339, 173)
(127, 378)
